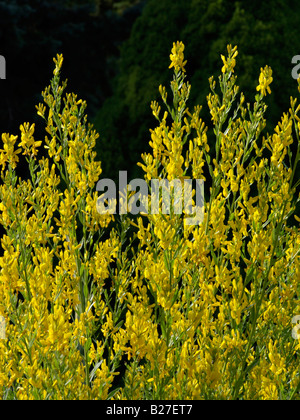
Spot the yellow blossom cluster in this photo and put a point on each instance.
(177, 57)
(265, 79)
(102, 306)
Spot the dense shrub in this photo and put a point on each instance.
(152, 307)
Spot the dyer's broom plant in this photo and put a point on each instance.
(101, 306)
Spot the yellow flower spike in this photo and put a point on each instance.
(224, 62)
(265, 79)
(28, 143)
(41, 109)
(58, 63)
(163, 93)
(177, 57)
(8, 153)
(230, 62)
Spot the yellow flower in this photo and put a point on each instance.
(265, 79)
(230, 62)
(58, 63)
(8, 153)
(177, 57)
(27, 140)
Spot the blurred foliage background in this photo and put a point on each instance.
(117, 53)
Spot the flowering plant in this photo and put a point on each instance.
(101, 307)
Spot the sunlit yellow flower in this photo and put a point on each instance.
(28, 144)
(265, 79)
(230, 62)
(8, 153)
(177, 57)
